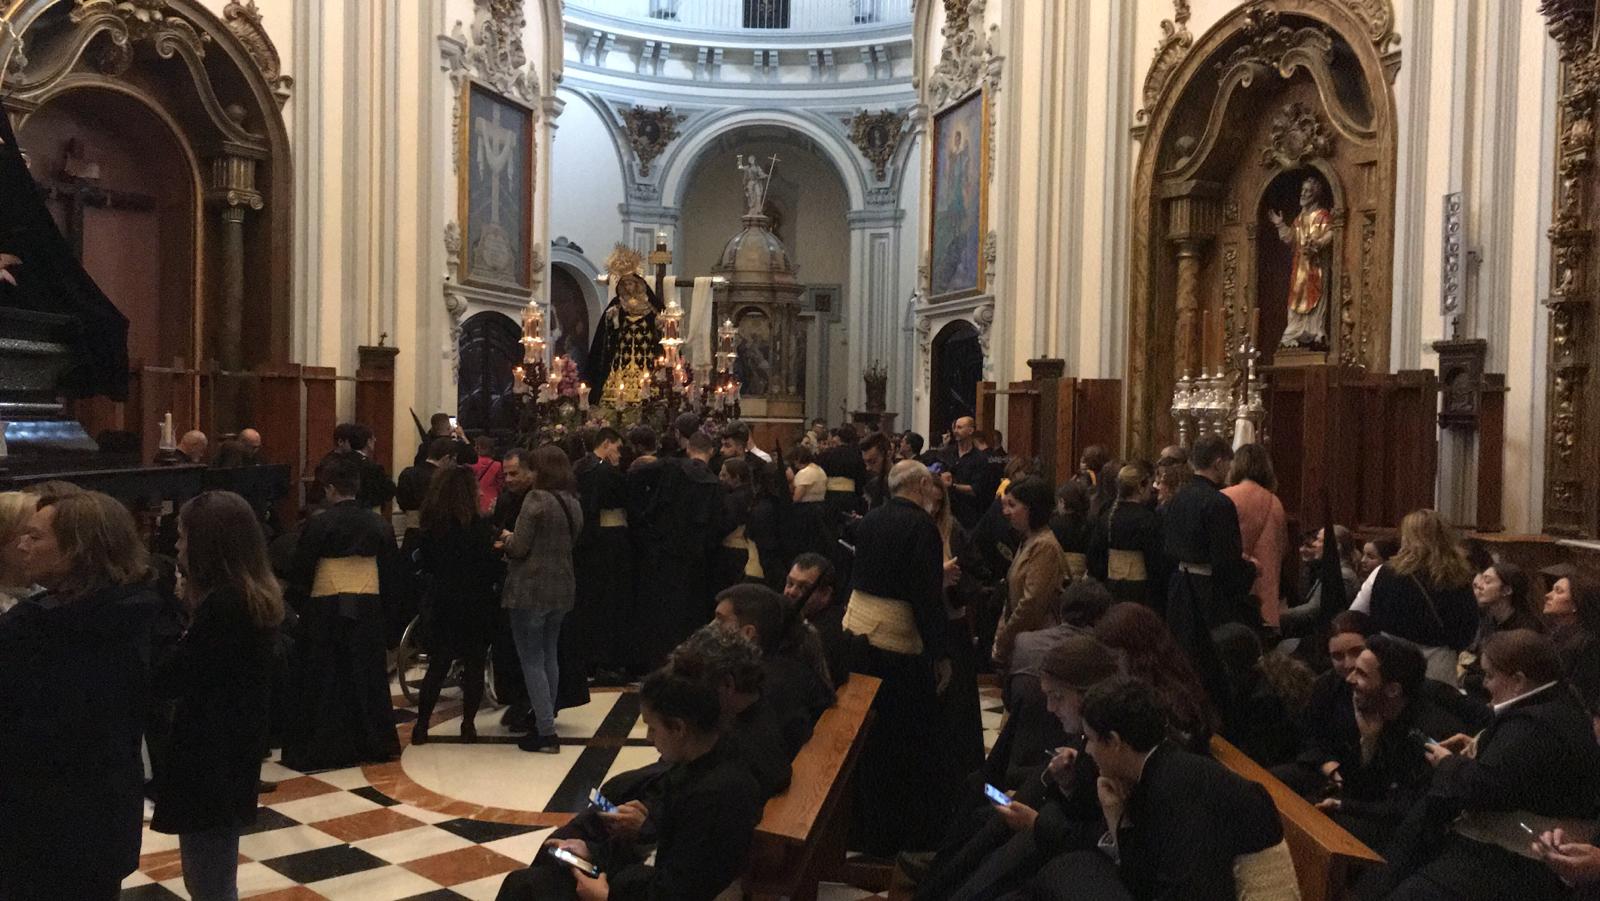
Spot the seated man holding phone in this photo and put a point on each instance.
(708, 812)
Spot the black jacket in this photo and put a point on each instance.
(465, 455)
(709, 812)
(1185, 822)
(221, 677)
(76, 680)
(376, 489)
(1409, 607)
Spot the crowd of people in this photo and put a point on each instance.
(1415, 688)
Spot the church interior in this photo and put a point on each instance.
(1352, 240)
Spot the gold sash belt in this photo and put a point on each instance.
(886, 623)
(345, 575)
(843, 484)
(737, 541)
(1077, 564)
(614, 518)
(1125, 566)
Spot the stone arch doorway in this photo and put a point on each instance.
(957, 369)
(570, 316)
(490, 345)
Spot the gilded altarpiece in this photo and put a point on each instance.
(1572, 439)
(1281, 102)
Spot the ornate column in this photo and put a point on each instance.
(1572, 452)
(1193, 211)
(231, 193)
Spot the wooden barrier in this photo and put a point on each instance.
(801, 837)
(1324, 853)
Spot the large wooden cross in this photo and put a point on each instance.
(78, 196)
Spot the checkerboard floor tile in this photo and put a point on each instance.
(376, 834)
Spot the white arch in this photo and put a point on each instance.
(681, 160)
(620, 152)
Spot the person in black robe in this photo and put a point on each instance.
(352, 439)
(604, 562)
(628, 337)
(896, 617)
(1130, 532)
(340, 694)
(847, 474)
(677, 535)
(439, 426)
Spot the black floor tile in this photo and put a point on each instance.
(151, 892)
(324, 863)
(268, 820)
(373, 795)
(480, 832)
(587, 772)
(443, 894)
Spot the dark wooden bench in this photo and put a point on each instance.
(1324, 853)
(801, 838)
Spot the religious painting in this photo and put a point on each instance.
(960, 164)
(496, 185)
(755, 345)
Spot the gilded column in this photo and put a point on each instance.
(1193, 211)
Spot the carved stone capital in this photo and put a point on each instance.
(233, 182)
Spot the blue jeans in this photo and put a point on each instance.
(211, 863)
(536, 633)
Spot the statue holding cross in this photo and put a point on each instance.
(756, 182)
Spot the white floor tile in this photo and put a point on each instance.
(258, 879)
(485, 889)
(345, 779)
(324, 807)
(584, 722)
(153, 842)
(136, 879)
(632, 759)
(413, 844)
(493, 775)
(175, 886)
(379, 884)
(424, 816)
(277, 772)
(283, 842)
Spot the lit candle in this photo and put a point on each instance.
(583, 397)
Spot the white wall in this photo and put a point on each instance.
(585, 197)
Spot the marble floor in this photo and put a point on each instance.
(447, 820)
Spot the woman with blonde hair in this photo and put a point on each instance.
(73, 663)
(16, 508)
(220, 676)
(1424, 593)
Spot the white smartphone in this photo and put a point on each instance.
(574, 861)
(996, 795)
(452, 422)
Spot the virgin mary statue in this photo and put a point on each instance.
(628, 341)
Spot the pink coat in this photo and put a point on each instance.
(1263, 530)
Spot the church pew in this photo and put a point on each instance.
(1325, 855)
(802, 834)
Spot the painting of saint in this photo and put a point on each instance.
(956, 259)
(497, 192)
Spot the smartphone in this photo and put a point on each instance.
(573, 860)
(1537, 839)
(452, 422)
(1417, 735)
(996, 795)
(600, 803)
(936, 468)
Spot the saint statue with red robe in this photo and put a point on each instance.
(1308, 236)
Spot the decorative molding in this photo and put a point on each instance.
(1297, 135)
(244, 20)
(129, 22)
(492, 53)
(1233, 330)
(1378, 17)
(968, 60)
(1571, 24)
(983, 318)
(1369, 237)
(877, 136)
(649, 132)
(991, 250)
(1170, 50)
(1450, 265)
(452, 251)
(1349, 351)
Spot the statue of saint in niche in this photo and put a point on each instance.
(1308, 236)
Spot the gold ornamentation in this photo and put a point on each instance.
(1232, 330)
(624, 260)
(134, 21)
(1378, 17)
(1565, 422)
(1369, 235)
(967, 59)
(877, 136)
(244, 20)
(649, 132)
(1348, 354)
(1297, 135)
(1170, 50)
(1571, 23)
(1565, 495)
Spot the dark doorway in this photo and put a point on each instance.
(491, 343)
(957, 370)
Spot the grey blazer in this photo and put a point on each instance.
(539, 573)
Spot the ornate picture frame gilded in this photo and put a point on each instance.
(496, 183)
(960, 199)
